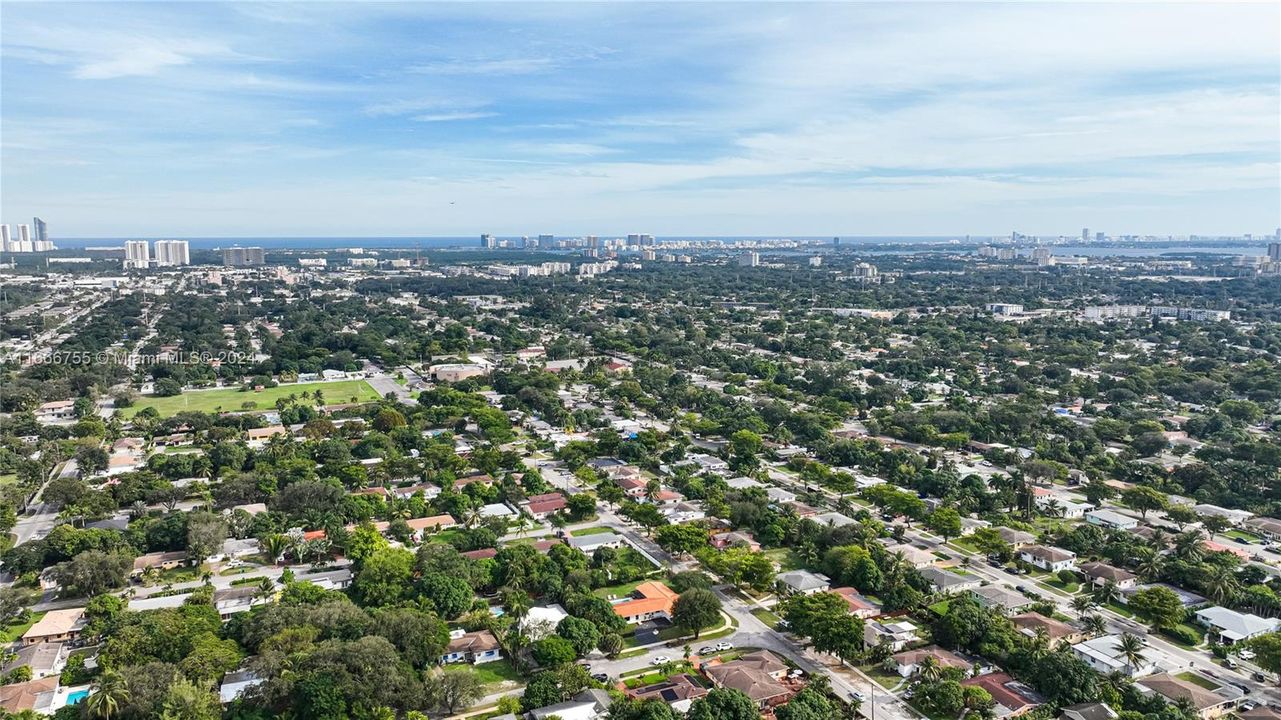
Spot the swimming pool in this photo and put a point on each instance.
(77, 696)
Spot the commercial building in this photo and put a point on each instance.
(243, 256)
(749, 259)
(488, 241)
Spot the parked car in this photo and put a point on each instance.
(1260, 677)
(600, 677)
(723, 646)
(796, 673)
(707, 650)
(660, 659)
(1241, 540)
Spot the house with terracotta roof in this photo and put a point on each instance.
(544, 506)
(633, 486)
(735, 538)
(860, 606)
(473, 647)
(758, 675)
(649, 600)
(1208, 704)
(1012, 697)
(1034, 623)
(481, 554)
(429, 525)
(56, 626)
(908, 662)
(30, 695)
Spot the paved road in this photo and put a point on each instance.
(382, 383)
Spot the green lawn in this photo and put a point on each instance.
(1243, 536)
(1197, 679)
(766, 616)
(1119, 609)
(232, 399)
(591, 531)
(496, 672)
(785, 557)
(621, 591)
(9, 479)
(11, 633)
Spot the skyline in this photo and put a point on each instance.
(808, 120)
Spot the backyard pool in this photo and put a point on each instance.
(77, 696)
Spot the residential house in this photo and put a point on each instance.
(586, 705)
(1188, 598)
(238, 599)
(497, 510)
(908, 662)
(234, 684)
(1012, 697)
(540, 621)
(1102, 574)
(945, 581)
(331, 580)
(1173, 689)
(57, 626)
(679, 691)
(541, 507)
(1104, 655)
(1052, 559)
(1232, 627)
(803, 582)
(758, 675)
(833, 519)
(1111, 520)
(633, 486)
(31, 695)
(56, 412)
(1269, 528)
(734, 538)
(1034, 623)
(160, 561)
(914, 556)
(1001, 598)
(649, 600)
(590, 543)
(422, 527)
(1016, 538)
(742, 482)
(860, 606)
(258, 437)
(896, 634)
(780, 496)
(473, 647)
(1235, 517)
(1088, 711)
(44, 659)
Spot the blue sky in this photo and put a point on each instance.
(340, 119)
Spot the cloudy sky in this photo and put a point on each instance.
(359, 119)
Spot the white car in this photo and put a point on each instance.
(723, 646)
(660, 659)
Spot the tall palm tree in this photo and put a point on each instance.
(1130, 647)
(107, 695)
(1094, 624)
(1083, 604)
(1106, 593)
(274, 545)
(1223, 585)
(929, 670)
(1188, 545)
(1151, 567)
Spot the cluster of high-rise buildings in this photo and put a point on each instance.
(242, 256)
(1110, 312)
(26, 238)
(169, 253)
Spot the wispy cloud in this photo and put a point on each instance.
(453, 116)
(508, 66)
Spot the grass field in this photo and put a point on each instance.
(1197, 679)
(496, 672)
(767, 617)
(10, 633)
(232, 399)
(601, 530)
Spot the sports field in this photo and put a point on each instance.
(231, 399)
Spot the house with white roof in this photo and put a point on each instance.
(1111, 520)
(1233, 627)
(1104, 655)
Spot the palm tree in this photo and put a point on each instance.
(1151, 567)
(1094, 624)
(274, 545)
(1130, 647)
(266, 588)
(929, 670)
(108, 694)
(1106, 593)
(1223, 585)
(1082, 604)
(1188, 546)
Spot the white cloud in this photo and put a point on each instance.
(452, 116)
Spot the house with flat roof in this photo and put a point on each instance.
(591, 543)
(1236, 517)
(44, 659)
(540, 621)
(1269, 528)
(1111, 519)
(896, 634)
(1088, 711)
(586, 705)
(1104, 655)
